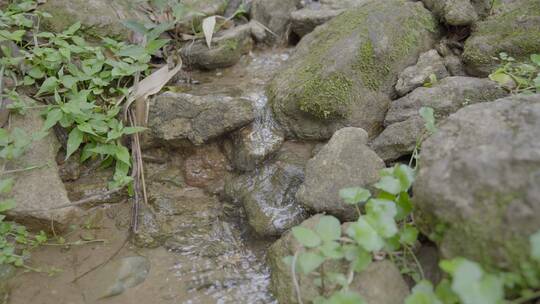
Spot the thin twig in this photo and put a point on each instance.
(83, 201)
(104, 262)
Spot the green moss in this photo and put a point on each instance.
(375, 69)
(503, 33)
(324, 97)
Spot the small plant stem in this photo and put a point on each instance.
(416, 261)
(295, 281)
(76, 243)
(358, 210)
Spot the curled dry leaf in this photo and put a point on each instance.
(208, 26)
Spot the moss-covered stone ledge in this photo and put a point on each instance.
(515, 29)
(343, 73)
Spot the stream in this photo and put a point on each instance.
(204, 251)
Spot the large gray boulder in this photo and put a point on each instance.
(39, 192)
(479, 180)
(342, 73)
(345, 161)
(99, 18)
(177, 117)
(514, 29)
(380, 283)
(404, 125)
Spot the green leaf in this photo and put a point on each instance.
(405, 175)
(354, 195)
(380, 215)
(345, 297)
(404, 206)
(328, 228)
(309, 261)
(535, 58)
(53, 116)
(428, 115)
(423, 293)
(122, 154)
(408, 235)
(36, 73)
(445, 293)
(535, 245)
(74, 141)
(331, 250)
(389, 184)
(7, 205)
(48, 86)
(306, 237)
(473, 286)
(365, 235)
(362, 260)
(135, 26)
(6, 185)
(72, 29)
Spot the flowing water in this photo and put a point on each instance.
(209, 255)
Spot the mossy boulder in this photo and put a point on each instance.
(99, 18)
(478, 185)
(380, 283)
(514, 29)
(343, 73)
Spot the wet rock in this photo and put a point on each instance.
(345, 161)
(99, 18)
(479, 182)
(446, 97)
(429, 63)
(94, 184)
(255, 143)
(275, 15)
(41, 188)
(69, 169)
(180, 218)
(177, 117)
(115, 277)
(398, 139)
(514, 29)
(334, 77)
(206, 167)
(380, 283)
(453, 12)
(226, 49)
(268, 194)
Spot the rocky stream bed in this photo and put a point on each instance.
(259, 133)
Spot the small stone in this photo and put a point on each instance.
(115, 277)
(429, 63)
(345, 161)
